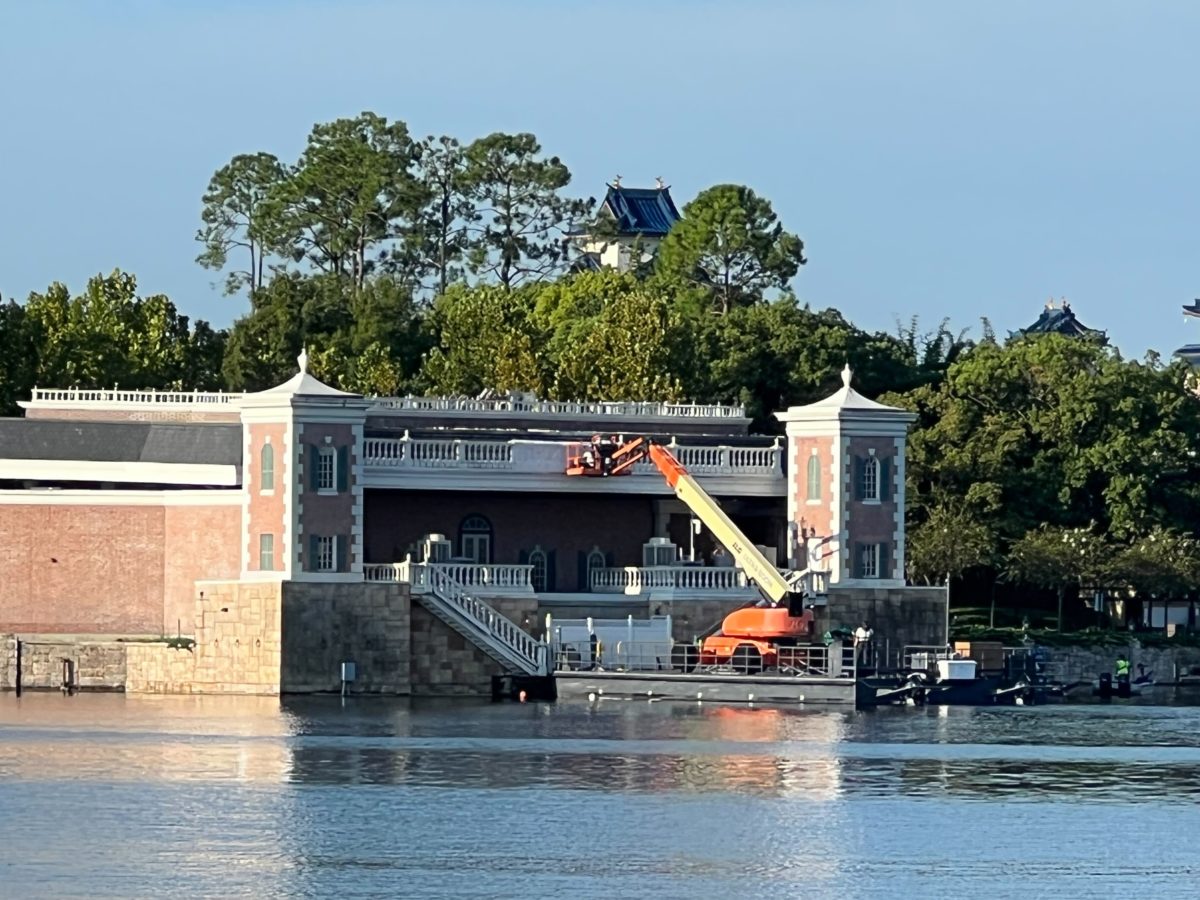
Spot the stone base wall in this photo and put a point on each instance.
(691, 618)
(325, 625)
(1074, 664)
(8, 662)
(159, 669)
(446, 664)
(900, 617)
(99, 665)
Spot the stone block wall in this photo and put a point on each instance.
(99, 665)
(898, 616)
(1086, 663)
(444, 663)
(324, 625)
(159, 669)
(8, 662)
(691, 618)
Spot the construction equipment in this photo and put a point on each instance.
(749, 638)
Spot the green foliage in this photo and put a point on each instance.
(947, 543)
(520, 221)
(108, 335)
(730, 242)
(238, 215)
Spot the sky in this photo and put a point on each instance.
(941, 159)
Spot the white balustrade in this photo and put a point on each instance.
(564, 408)
(548, 457)
(506, 580)
(502, 634)
(114, 397)
(686, 579)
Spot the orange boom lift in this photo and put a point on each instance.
(749, 638)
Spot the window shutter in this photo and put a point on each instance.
(339, 552)
(343, 469)
(857, 470)
(550, 569)
(581, 571)
(311, 564)
(885, 560)
(856, 556)
(886, 494)
(314, 464)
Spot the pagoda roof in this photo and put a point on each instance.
(641, 211)
(1061, 320)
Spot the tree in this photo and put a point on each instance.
(947, 543)
(1163, 563)
(487, 339)
(730, 242)
(352, 194)
(237, 215)
(17, 357)
(447, 211)
(519, 226)
(1060, 559)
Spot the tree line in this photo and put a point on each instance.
(448, 267)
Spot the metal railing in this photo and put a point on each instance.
(503, 635)
(801, 661)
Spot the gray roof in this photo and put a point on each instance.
(210, 444)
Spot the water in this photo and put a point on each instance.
(108, 796)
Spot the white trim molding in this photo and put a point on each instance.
(83, 497)
(196, 474)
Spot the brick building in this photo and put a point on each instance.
(115, 507)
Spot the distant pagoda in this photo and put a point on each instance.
(1190, 353)
(1061, 320)
(628, 227)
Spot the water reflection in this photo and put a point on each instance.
(115, 796)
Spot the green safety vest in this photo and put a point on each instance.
(1122, 667)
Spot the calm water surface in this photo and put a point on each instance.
(108, 796)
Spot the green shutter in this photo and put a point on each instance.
(550, 573)
(339, 551)
(857, 470)
(314, 458)
(885, 560)
(856, 555)
(310, 565)
(343, 469)
(886, 494)
(581, 571)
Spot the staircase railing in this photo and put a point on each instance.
(502, 637)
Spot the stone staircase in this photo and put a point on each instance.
(491, 632)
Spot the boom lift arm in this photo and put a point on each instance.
(609, 456)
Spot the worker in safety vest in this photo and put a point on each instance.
(1122, 667)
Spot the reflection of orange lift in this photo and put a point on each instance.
(749, 638)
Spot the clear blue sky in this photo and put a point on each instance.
(950, 158)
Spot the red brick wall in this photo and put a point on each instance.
(566, 524)
(872, 523)
(100, 569)
(266, 510)
(816, 518)
(330, 514)
(201, 545)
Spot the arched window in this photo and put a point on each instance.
(870, 479)
(475, 539)
(595, 560)
(266, 468)
(537, 574)
(814, 477)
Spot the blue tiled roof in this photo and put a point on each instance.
(645, 211)
(1060, 321)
